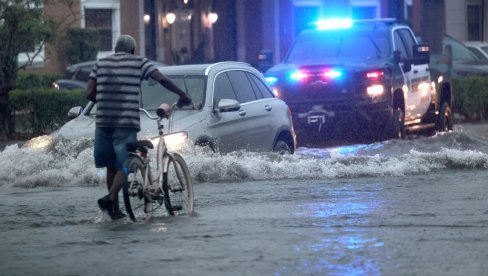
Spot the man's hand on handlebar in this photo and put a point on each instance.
(183, 101)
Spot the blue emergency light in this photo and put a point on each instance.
(271, 80)
(334, 23)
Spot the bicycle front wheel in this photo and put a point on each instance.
(133, 188)
(177, 187)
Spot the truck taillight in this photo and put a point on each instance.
(374, 75)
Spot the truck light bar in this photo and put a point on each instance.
(335, 23)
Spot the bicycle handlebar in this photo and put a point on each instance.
(164, 110)
(148, 115)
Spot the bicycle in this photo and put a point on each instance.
(172, 186)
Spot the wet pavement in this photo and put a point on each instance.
(411, 207)
(433, 224)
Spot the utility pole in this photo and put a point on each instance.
(429, 21)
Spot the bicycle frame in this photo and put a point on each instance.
(162, 154)
(159, 190)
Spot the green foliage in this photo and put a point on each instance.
(46, 109)
(471, 97)
(29, 80)
(23, 27)
(81, 45)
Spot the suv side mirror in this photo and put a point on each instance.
(75, 112)
(421, 54)
(228, 105)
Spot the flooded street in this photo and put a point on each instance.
(412, 207)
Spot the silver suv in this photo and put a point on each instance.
(234, 109)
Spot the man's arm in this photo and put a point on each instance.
(91, 90)
(167, 83)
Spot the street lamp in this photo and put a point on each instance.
(212, 17)
(170, 17)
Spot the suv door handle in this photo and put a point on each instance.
(242, 112)
(268, 107)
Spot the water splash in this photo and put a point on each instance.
(56, 162)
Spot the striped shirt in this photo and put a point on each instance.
(118, 79)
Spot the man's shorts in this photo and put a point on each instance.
(110, 146)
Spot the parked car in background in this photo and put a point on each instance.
(79, 71)
(233, 109)
(479, 48)
(464, 61)
(76, 75)
(69, 84)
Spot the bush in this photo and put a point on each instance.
(29, 80)
(81, 45)
(46, 109)
(471, 97)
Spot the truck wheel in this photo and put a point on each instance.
(444, 122)
(396, 129)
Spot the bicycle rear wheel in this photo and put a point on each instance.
(133, 189)
(177, 187)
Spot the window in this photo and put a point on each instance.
(28, 56)
(101, 20)
(154, 94)
(242, 87)
(408, 40)
(399, 45)
(365, 9)
(223, 89)
(474, 18)
(103, 16)
(261, 89)
(32, 54)
(477, 52)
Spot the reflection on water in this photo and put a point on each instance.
(345, 243)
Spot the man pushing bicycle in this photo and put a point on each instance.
(114, 84)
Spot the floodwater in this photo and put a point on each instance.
(412, 207)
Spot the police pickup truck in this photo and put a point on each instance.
(365, 77)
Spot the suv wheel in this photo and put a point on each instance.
(282, 148)
(444, 122)
(396, 129)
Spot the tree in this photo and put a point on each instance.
(81, 44)
(22, 25)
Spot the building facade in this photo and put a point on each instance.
(198, 31)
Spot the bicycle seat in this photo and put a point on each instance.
(141, 146)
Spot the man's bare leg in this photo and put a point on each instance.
(117, 179)
(114, 182)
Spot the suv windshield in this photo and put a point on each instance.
(154, 94)
(339, 46)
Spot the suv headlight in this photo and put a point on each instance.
(173, 141)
